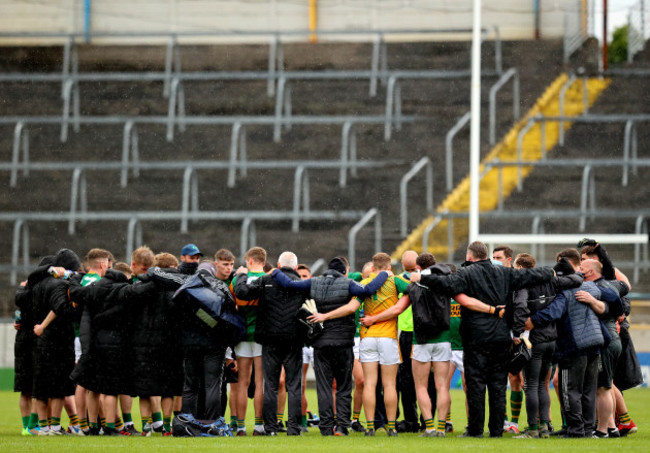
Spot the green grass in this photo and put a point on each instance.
(638, 401)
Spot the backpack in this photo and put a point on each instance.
(185, 425)
(211, 307)
(431, 310)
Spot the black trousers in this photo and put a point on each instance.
(486, 366)
(202, 383)
(332, 363)
(535, 371)
(274, 357)
(578, 380)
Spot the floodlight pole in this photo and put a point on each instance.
(475, 128)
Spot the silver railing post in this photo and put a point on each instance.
(78, 191)
(248, 236)
(352, 235)
(19, 227)
(449, 140)
(300, 187)
(424, 162)
(190, 193)
(133, 236)
(21, 136)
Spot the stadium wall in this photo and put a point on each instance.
(515, 18)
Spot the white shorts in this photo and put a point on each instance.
(77, 349)
(308, 355)
(457, 360)
(432, 352)
(355, 348)
(379, 349)
(248, 349)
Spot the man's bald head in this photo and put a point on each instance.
(591, 269)
(409, 260)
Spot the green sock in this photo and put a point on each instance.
(441, 425)
(94, 425)
(83, 423)
(533, 427)
(118, 424)
(33, 420)
(110, 425)
(56, 421)
(42, 424)
(515, 404)
(127, 417)
(304, 421)
(370, 425)
(26, 421)
(102, 421)
(429, 424)
(167, 424)
(157, 417)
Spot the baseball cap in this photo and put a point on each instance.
(191, 250)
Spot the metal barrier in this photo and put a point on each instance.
(238, 138)
(519, 215)
(638, 28)
(587, 194)
(449, 149)
(578, 26)
(352, 235)
(425, 162)
(630, 142)
(134, 219)
(513, 74)
(394, 92)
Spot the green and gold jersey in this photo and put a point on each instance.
(247, 308)
(383, 299)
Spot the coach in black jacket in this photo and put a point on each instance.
(486, 337)
(277, 330)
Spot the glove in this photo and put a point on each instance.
(310, 306)
(587, 241)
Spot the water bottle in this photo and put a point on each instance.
(18, 317)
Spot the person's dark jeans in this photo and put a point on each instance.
(486, 367)
(274, 357)
(535, 371)
(202, 383)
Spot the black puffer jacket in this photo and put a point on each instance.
(331, 291)
(490, 284)
(158, 361)
(540, 296)
(193, 336)
(105, 367)
(276, 313)
(54, 350)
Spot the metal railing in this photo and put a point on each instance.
(640, 217)
(630, 138)
(578, 26)
(130, 148)
(21, 221)
(425, 163)
(352, 235)
(638, 28)
(587, 194)
(172, 64)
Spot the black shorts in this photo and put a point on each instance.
(609, 358)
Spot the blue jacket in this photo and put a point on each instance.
(580, 332)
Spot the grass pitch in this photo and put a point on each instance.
(638, 401)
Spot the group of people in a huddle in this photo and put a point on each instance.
(93, 335)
